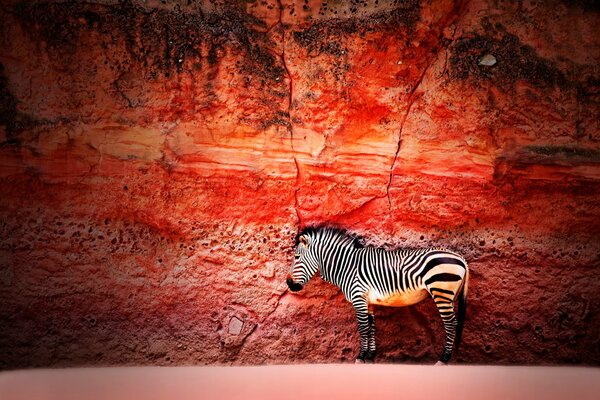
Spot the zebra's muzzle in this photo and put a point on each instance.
(294, 287)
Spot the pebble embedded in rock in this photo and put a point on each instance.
(487, 60)
(235, 326)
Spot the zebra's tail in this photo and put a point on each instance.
(462, 309)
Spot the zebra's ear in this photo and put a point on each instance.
(303, 240)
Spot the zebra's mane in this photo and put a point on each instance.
(335, 231)
(358, 242)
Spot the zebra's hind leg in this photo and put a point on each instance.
(445, 306)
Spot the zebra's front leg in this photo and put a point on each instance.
(364, 328)
(372, 347)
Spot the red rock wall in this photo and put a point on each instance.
(157, 158)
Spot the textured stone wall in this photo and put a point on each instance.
(157, 159)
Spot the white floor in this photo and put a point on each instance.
(374, 382)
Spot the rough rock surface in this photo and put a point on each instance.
(157, 159)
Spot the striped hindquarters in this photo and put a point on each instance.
(445, 275)
(442, 270)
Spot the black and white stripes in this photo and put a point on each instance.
(373, 276)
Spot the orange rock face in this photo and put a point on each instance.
(157, 159)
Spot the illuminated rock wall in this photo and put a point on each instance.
(157, 159)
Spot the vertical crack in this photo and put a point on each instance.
(411, 100)
(296, 203)
(290, 125)
(459, 10)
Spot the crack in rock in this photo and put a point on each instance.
(413, 95)
(296, 201)
(290, 124)
(411, 101)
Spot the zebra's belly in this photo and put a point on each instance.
(397, 299)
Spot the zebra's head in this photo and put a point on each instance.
(305, 263)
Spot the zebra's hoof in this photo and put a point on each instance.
(441, 363)
(370, 357)
(359, 361)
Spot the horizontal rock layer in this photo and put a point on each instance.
(158, 158)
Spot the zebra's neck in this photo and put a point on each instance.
(338, 264)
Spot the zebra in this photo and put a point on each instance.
(370, 276)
